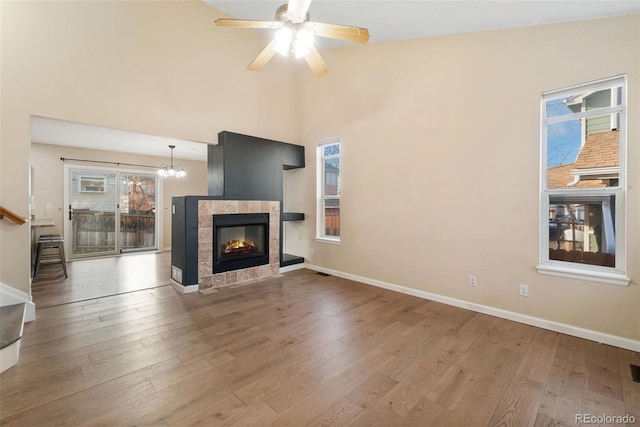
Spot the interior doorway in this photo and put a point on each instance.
(110, 211)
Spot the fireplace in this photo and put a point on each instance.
(240, 241)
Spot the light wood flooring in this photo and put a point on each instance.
(100, 277)
(304, 350)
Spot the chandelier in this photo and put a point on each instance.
(165, 170)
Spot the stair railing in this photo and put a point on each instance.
(12, 216)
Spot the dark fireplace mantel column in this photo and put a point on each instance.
(240, 168)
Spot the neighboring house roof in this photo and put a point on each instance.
(560, 176)
(597, 162)
(600, 150)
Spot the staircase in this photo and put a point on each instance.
(11, 323)
(13, 310)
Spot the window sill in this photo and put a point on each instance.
(333, 241)
(617, 279)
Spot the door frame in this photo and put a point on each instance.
(67, 229)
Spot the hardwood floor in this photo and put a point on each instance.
(100, 277)
(304, 350)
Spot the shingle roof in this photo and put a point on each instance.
(600, 150)
(560, 176)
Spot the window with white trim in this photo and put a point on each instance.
(583, 138)
(329, 191)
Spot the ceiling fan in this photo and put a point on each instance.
(296, 34)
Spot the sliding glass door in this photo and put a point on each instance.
(111, 212)
(137, 212)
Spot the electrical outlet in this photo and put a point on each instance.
(473, 281)
(524, 290)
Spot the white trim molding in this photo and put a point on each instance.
(329, 240)
(182, 288)
(607, 278)
(10, 355)
(610, 198)
(293, 267)
(9, 296)
(563, 328)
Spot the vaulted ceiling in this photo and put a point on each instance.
(389, 20)
(386, 20)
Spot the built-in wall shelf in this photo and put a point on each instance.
(292, 216)
(288, 259)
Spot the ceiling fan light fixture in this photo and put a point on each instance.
(304, 43)
(296, 35)
(283, 40)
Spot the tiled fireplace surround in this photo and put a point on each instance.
(207, 280)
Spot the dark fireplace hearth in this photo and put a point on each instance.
(240, 241)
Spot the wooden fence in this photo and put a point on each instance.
(332, 222)
(96, 231)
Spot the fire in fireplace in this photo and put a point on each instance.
(240, 241)
(239, 247)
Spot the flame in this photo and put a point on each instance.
(238, 245)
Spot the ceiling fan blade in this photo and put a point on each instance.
(340, 32)
(316, 63)
(297, 10)
(247, 23)
(263, 57)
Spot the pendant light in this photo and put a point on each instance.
(165, 170)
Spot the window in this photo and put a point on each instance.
(92, 184)
(583, 138)
(329, 192)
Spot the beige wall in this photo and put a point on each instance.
(47, 180)
(443, 131)
(161, 68)
(441, 164)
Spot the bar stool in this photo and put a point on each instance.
(46, 243)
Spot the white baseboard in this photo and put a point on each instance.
(9, 296)
(30, 312)
(293, 267)
(183, 289)
(9, 355)
(563, 328)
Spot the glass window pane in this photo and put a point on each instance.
(583, 153)
(93, 206)
(582, 146)
(563, 142)
(329, 175)
(332, 177)
(332, 217)
(137, 211)
(582, 230)
(587, 101)
(331, 150)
